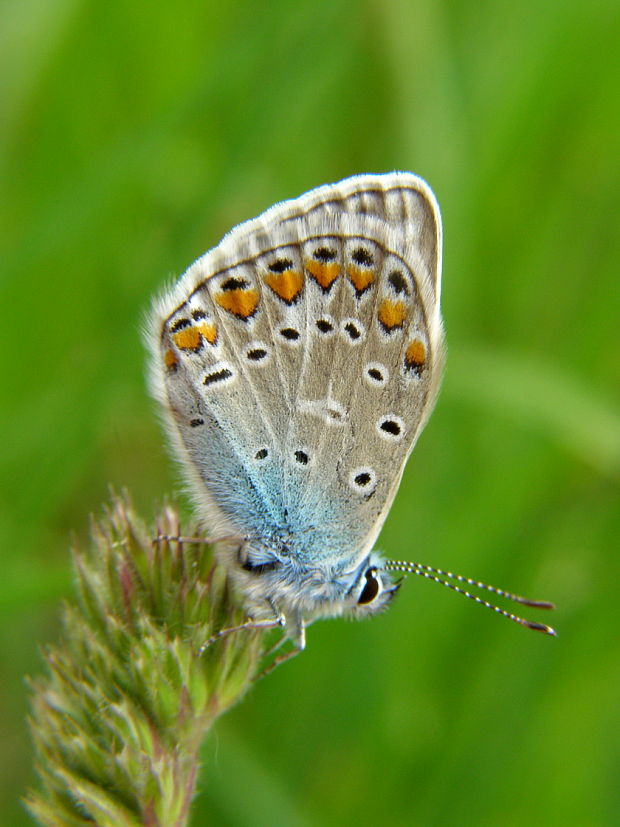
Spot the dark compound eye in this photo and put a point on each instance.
(371, 589)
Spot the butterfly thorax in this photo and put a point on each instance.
(281, 586)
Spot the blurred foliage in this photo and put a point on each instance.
(132, 137)
(132, 689)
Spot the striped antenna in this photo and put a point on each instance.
(444, 577)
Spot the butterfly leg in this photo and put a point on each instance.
(282, 658)
(174, 538)
(271, 652)
(266, 623)
(296, 632)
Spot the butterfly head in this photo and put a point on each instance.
(311, 592)
(373, 590)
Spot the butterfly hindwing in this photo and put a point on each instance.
(299, 359)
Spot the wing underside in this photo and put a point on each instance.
(300, 358)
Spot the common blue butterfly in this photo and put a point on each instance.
(297, 363)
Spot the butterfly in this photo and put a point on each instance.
(296, 363)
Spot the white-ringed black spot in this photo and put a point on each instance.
(363, 480)
(262, 453)
(195, 423)
(398, 282)
(325, 326)
(257, 353)
(234, 284)
(376, 374)
(391, 427)
(363, 257)
(198, 314)
(217, 376)
(352, 330)
(302, 457)
(280, 265)
(220, 374)
(290, 334)
(324, 254)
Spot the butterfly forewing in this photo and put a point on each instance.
(299, 359)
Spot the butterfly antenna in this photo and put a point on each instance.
(444, 578)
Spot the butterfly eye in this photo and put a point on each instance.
(371, 588)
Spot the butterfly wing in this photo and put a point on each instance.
(298, 361)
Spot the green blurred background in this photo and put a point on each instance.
(132, 137)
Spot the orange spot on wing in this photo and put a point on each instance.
(187, 339)
(170, 360)
(241, 302)
(392, 314)
(191, 338)
(415, 356)
(324, 274)
(361, 279)
(209, 331)
(286, 285)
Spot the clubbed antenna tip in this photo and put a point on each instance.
(444, 578)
